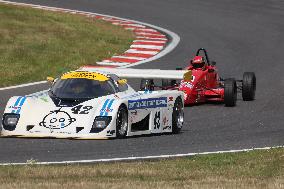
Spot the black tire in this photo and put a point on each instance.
(178, 116)
(230, 92)
(121, 122)
(249, 86)
(147, 85)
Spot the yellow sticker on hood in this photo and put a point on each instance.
(85, 75)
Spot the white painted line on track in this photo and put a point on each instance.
(142, 157)
(174, 37)
(23, 85)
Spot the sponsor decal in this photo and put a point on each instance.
(167, 127)
(133, 96)
(171, 99)
(147, 103)
(16, 108)
(30, 131)
(148, 92)
(157, 120)
(110, 132)
(106, 109)
(45, 99)
(85, 75)
(116, 96)
(57, 119)
(134, 112)
(186, 85)
(62, 132)
(80, 109)
(38, 95)
(165, 121)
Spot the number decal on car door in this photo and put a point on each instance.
(157, 120)
(81, 109)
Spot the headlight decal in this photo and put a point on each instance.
(10, 121)
(100, 123)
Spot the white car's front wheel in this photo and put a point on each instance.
(178, 116)
(121, 122)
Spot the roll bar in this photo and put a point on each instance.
(205, 53)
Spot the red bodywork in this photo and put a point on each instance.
(204, 86)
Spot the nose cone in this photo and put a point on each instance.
(58, 119)
(187, 88)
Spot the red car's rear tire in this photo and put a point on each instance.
(230, 92)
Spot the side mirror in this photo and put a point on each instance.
(50, 79)
(122, 81)
(213, 63)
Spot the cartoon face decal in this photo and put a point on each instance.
(57, 119)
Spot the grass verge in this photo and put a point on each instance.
(255, 169)
(36, 43)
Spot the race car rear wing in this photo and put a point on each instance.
(142, 73)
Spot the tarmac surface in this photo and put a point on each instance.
(239, 35)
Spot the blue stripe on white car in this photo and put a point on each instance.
(18, 105)
(109, 107)
(106, 107)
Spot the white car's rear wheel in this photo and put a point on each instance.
(121, 122)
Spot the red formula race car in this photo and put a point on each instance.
(207, 86)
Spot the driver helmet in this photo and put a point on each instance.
(198, 62)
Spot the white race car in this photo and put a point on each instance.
(95, 103)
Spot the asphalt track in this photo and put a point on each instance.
(240, 36)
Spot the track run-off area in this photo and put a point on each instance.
(239, 35)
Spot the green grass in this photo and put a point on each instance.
(35, 43)
(256, 169)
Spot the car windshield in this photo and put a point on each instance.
(81, 88)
